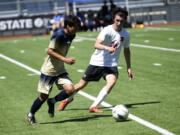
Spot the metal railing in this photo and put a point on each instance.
(37, 7)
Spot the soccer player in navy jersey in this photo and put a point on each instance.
(104, 61)
(53, 70)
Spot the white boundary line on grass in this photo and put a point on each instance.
(131, 116)
(139, 45)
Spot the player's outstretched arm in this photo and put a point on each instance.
(51, 52)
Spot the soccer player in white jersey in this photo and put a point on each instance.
(104, 61)
(53, 70)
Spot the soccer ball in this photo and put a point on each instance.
(120, 113)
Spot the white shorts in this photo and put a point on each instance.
(46, 82)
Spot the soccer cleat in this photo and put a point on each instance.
(63, 104)
(95, 109)
(50, 108)
(31, 120)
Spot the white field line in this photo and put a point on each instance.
(131, 116)
(155, 47)
(140, 45)
(162, 29)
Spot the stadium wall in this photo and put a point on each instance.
(155, 15)
(173, 13)
(34, 25)
(39, 24)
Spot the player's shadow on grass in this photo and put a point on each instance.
(82, 119)
(107, 108)
(144, 103)
(95, 117)
(135, 104)
(127, 105)
(130, 105)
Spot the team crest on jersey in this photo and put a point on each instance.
(122, 39)
(114, 44)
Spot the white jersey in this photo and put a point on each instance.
(110, 37)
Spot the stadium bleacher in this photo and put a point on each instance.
(47, 6)
(147, 12)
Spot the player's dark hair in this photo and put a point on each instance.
(71, 21)
(122, 12)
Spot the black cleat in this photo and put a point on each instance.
(31, 120)
(51, 108)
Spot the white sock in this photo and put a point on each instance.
(102, 95)
(71, 97)
(30, 114)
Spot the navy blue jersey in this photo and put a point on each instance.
(60, 37)
(60, 43)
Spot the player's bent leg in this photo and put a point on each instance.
(102, 94)
(43, 97)
(63, 104)
(81, 84)
(35, 107)
(50, 107)
(110, 82)
(69, 90)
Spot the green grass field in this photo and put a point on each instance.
(154, 94)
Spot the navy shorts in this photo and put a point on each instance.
(94, 73)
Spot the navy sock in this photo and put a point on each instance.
(36, 105)
(61, 96)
